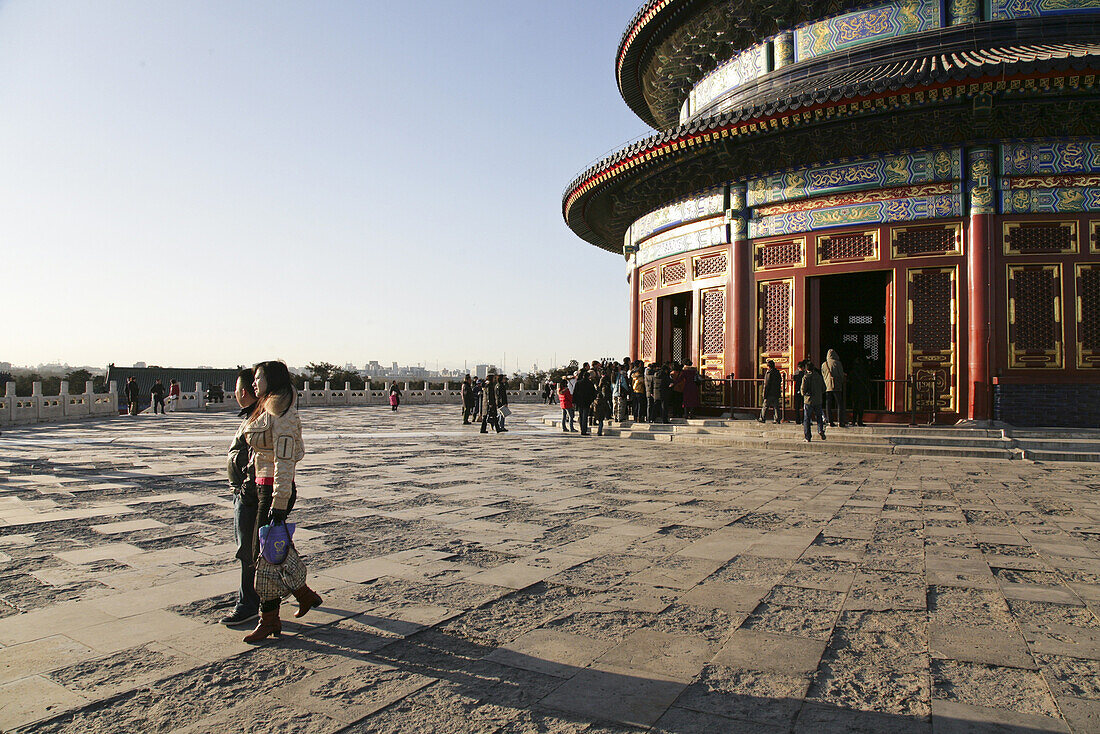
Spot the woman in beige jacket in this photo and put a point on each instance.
(274, 434)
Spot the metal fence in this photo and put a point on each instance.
(918, 397)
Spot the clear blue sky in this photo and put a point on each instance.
(220, 182)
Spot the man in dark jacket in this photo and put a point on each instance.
(467, 400)
(662, 394)
(813, 396)
(158, 396)
(242, 481)
(489, 405)
(773, 388)
(584, 394)
(132, 395)
(502, 401)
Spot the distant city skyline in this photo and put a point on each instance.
(218, 181)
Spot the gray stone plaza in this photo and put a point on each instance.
(535, 582)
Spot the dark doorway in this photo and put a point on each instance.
(674, 328)
(851, 318)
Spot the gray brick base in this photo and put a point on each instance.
(1072, 406)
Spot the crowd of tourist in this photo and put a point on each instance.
(657, 393)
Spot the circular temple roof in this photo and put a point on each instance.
(671, 44)
(987, 90)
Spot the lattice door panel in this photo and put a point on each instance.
(712, 338)
(1029, 238)
(649, 279)
(1035, 316)
(932, 334)
(1088, 316)
(648, 325)
(775, 323)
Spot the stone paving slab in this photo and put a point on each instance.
(537, 582)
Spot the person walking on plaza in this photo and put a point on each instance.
(832, 371)
(489, 405)
(637, 377)
(620, 393)
(813, 396)
(584, 395)
(242, 482)
(651, 401)
(859, 389)
(132, 391)
(565, 399)
(467, 391)
(676, 394)
(662, 394)
(174, 395)
(773, 387)
(157, 396)
(274, 434)
(796, 390)
(502, 403)
(477, 389)
(395, 396)
(691, 380)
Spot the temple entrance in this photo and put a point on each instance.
(674, 328)
(848, 314)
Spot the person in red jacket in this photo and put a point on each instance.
(174, 394)
(565, 398)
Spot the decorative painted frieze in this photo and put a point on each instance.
(703, 206)
(674, 242)
(1051, 157)
(865, 26)
(918, 167)
(907, 209)
(1009, 9)
(1051, 201)
(744, 67)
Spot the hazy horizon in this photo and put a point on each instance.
(212, 183)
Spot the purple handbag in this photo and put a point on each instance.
(275, 542)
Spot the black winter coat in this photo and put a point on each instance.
(584, 393)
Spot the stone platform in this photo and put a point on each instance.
(536, 582)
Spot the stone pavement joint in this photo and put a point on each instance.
(535, 582)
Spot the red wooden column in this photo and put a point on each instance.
(742, 313)
(979, 284)
(632, 344)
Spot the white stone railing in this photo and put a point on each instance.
(449, 394)
(39, 408)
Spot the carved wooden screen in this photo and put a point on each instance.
(648, 325)
(848, 247)
(775, 310)
(1035, 316)
(712, 332)
(649, 279)
(932, 336)
(1032, 238)
(710, 266)
(783, 254)
(926, 240)
(1088, 316)
(674, 273)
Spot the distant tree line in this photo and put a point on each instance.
(51, 384)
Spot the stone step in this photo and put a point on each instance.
(1042, 445)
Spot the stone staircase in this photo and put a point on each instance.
(1034, 444)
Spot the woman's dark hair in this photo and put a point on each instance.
(279, 385)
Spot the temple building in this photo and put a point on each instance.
(912, 183)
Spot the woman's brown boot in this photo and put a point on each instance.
(269, 625)
(307, 599)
